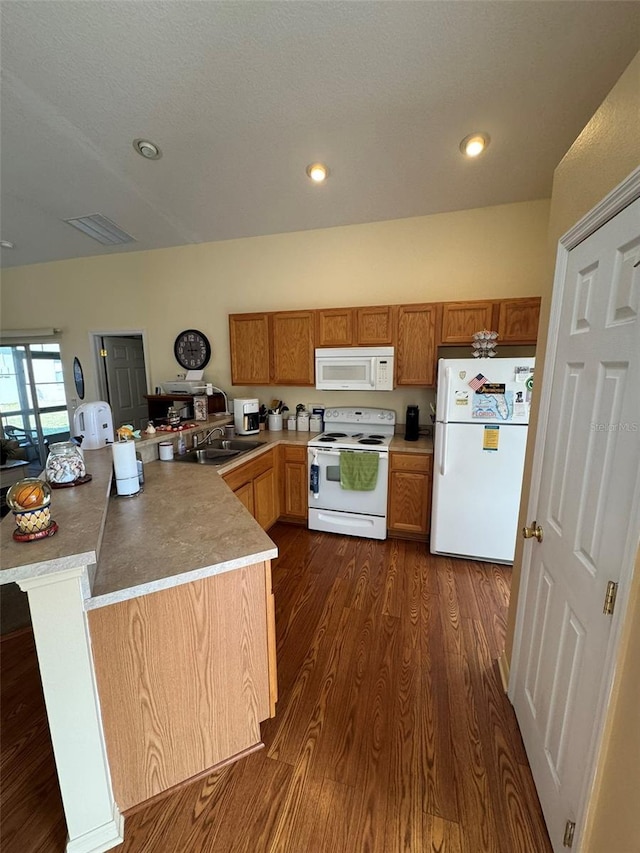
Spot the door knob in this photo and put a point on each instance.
(534, 531)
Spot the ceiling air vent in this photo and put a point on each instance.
(101, 229)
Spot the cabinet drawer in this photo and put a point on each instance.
(248, 472)
(420, 462)
(294, 453)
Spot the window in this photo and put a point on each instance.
(33, 404)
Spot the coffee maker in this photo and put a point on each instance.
(412, 427)
(246, 416)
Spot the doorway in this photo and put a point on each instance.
(585, 497)
(122, 376)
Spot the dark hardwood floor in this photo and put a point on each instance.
(392, 730)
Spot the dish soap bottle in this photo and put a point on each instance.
(182, 445)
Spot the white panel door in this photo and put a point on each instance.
(587, 506)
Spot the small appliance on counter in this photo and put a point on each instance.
(94, 422)
(412, 426)
(246, 415)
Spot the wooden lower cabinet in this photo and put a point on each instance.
(293, 483)
(256, 485)
(409, 506)
(185, 676)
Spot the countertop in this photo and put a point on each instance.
(186, 524)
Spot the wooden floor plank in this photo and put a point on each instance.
(392, 733)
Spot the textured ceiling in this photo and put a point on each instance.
(241, 96)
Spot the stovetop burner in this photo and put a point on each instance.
(356, 429)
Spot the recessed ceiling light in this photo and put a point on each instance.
(148, 150)
(7, 244)
(317, 172)
(474, 144)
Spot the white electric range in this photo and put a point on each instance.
(332, 507)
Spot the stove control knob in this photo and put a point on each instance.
(389, 416)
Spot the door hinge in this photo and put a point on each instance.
(103, 353)
(610, 598)
(569, 829)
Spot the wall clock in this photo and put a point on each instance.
(78, 377)
(192, 349)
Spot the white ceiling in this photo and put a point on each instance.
(241, 96)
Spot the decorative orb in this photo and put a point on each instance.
(29, 494)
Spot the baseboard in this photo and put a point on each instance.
(202, 775)
(100, 839)
(503, 667)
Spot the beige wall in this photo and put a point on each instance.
(489, 252)
(605, 153)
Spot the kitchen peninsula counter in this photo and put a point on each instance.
(154, 624)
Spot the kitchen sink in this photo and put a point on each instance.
(218, 452)
(237, 444)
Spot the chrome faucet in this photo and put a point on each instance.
(200, 438)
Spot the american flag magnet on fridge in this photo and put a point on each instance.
(477, 382)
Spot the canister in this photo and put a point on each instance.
(303, 422)
(291, 422)
(275, 422)
(165, 449)
(315, 423)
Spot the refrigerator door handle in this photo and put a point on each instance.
(444, 411)
(443, 450)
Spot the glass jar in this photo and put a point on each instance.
(65, 463)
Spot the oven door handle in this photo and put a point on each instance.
(324, 452)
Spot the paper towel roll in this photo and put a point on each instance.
(126, 467)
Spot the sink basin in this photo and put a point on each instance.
(218, 452)
(238, 444)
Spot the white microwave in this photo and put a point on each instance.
(354, 369)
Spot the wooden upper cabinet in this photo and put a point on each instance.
(292, 340)
(416, 345)
(518, 321)
(334, 327)
(374, 325)
(250, 352)
(460, 320)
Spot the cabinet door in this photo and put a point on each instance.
(460, 320)
(245, 496)
(250, 353)
(518, 321)
(410, 495)
(374, 325)
(265, 498)
(416, 345)
(294, 483)
(293, 348)
(334, 327)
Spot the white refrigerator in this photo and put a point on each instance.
(482, 417)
